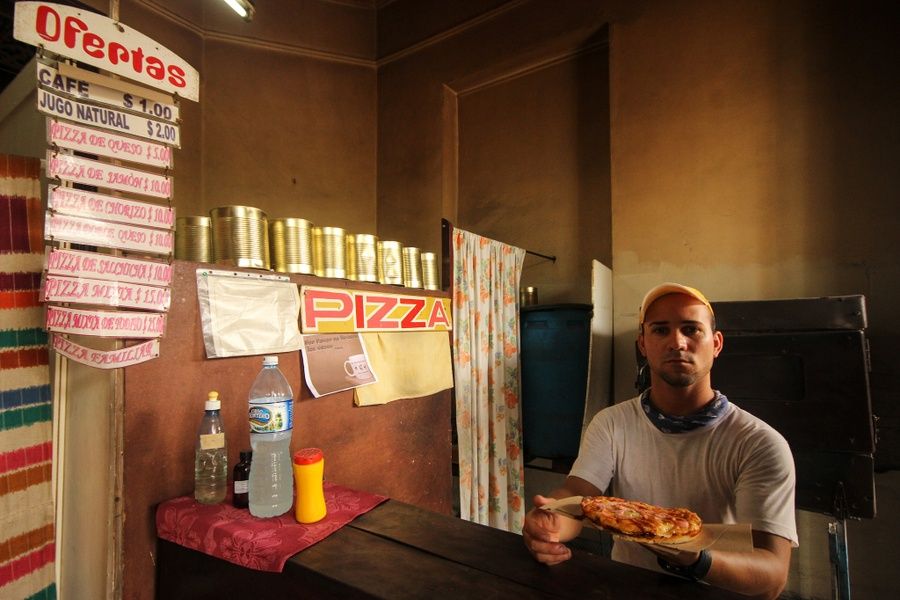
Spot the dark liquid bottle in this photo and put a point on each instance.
(241, 497)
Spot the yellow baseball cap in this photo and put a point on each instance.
(670, 288)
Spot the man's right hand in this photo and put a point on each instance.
(544, 532)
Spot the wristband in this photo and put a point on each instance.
(694, 572)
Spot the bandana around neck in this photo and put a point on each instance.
(713, 409)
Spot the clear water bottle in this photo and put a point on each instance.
(271, 421)
(210, 455)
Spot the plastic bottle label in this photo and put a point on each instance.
(271, 417)
(212, 441)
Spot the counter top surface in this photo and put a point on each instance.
(400, 551)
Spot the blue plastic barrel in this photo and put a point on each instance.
(555, 343)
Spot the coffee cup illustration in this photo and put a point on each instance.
(356, 366)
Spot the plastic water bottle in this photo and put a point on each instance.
(210, 455)
(271, 421)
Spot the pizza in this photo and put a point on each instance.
(641, 522)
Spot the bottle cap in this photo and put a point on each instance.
(270, 360)
(212, 401)
(307, 456)
(246, 455)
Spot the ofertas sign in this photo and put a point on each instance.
(91, 172)
(84, 89)
(106, 118)
(105, 293)
(99, 41)
(81, 203)
(111, 359)
(110, 145)
(63, 228)
(330, 310)
(76, 263)
(105, 323)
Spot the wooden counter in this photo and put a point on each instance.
(401, 449)
(399, 551)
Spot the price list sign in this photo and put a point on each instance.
(110, 168)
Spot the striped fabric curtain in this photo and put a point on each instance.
(486, 276)
(27, 550)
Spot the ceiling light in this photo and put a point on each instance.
(242, 7)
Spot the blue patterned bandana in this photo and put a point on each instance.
(711, 411)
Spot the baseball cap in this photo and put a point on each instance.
(670, 288)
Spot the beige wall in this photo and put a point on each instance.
(286, 118)
(500, 126)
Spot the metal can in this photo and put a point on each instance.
(391, 263)
(290, 245)
(431, 279)
(364, 257)
(329, 252)
(412, 267)
(193, 240)
(240, 236)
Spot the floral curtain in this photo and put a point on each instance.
(486, 277)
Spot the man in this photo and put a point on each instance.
(682, 444)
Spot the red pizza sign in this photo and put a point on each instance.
(96, 40)
(330, 310)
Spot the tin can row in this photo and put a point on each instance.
(242, 236)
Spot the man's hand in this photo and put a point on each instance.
(544, 531)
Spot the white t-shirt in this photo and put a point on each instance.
(736, 469)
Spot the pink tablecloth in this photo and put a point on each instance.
(233, 534)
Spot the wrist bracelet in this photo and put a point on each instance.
(694, 572)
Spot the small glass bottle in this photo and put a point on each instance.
(309, 467)
(241, 479)
(210, 455)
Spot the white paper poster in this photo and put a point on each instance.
(246, 314)
(336, 362)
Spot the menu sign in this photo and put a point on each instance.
(76, 263)
(80, 203)
(125, 324)
(105, 293)
(109, 235)
(83, 87)
(107, 118)
(118, 124)
(330, 310)
(110, 359)
(92, 172)
(111, 145)
(99, 41)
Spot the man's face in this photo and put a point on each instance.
(678, 341)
